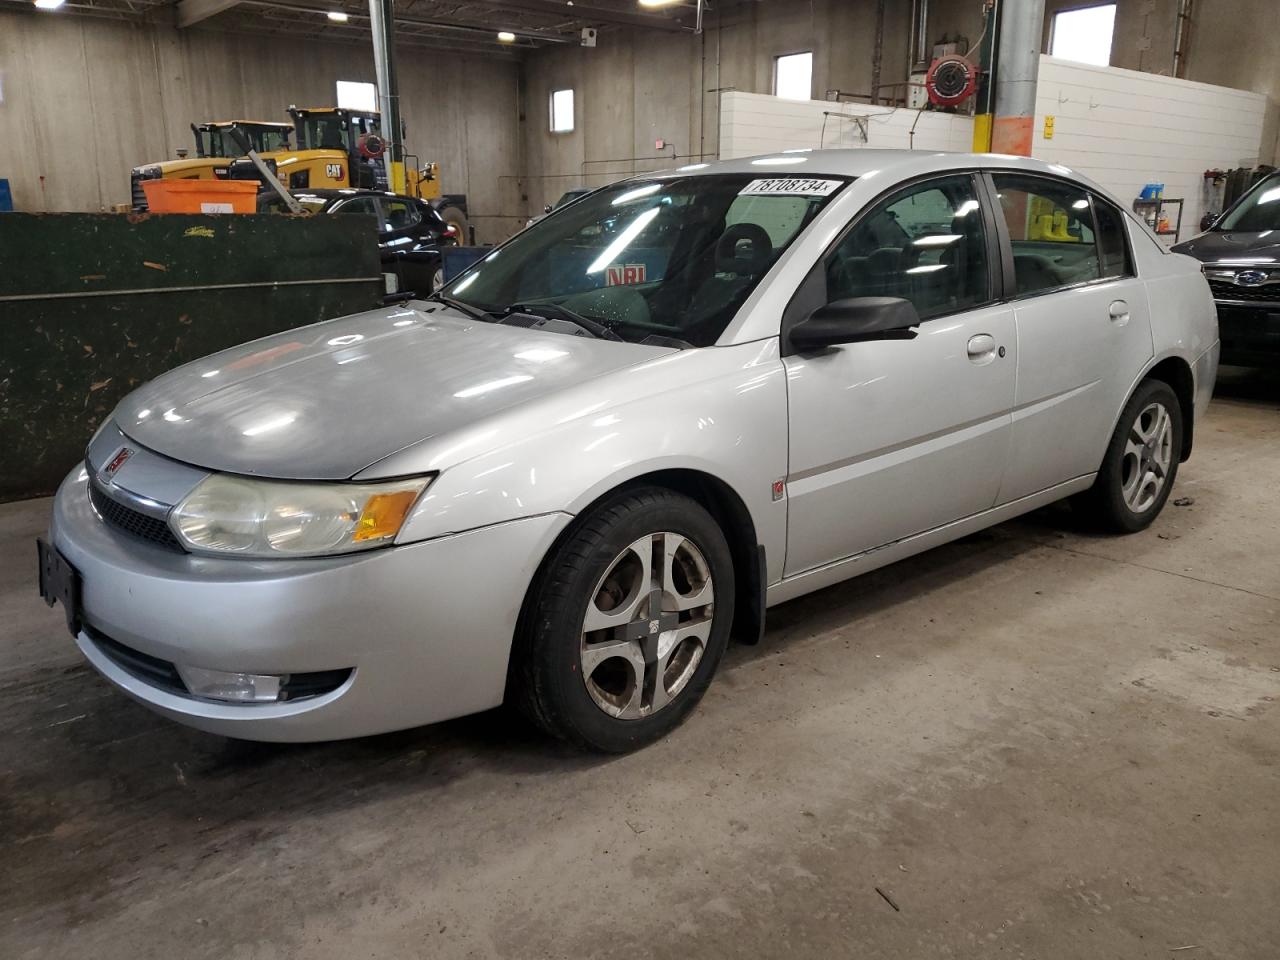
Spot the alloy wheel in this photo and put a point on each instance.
(1148, 454)
(647, 625)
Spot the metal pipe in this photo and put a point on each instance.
(918, 54)
(382, 23)
(1018, 67)
(984, 102)
(877, 55)
(1182, 38)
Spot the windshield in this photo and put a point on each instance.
(218, 142)
(1259, 211)
(333, 131)
(673, 258)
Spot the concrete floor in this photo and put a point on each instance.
(1036, 742)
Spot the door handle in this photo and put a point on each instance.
(982, 348)
(1119, 313)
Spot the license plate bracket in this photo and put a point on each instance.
(59, 583)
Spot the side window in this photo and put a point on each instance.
(926, 244)
(1113, 245)
(358, 205)
(1051, 232)
(400, 214)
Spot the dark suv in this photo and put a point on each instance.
(1241, 256)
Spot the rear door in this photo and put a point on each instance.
(894, 437)
(1083, 327)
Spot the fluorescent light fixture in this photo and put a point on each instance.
(490, 386)
(778, 161)
(49, 4)
(506, 36)
(337, 16)
(658, 3)
(636, 194)
(623, 241)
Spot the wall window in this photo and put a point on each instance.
(561, 111)
(1051, 232)
(1083, 34)
(793, 76)
(354, 95)
(926, 244)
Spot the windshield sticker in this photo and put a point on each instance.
(791, 186)
(624, 274)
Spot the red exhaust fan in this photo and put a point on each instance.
(951, 80)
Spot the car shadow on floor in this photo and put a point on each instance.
(1252, 384)
(74, 735)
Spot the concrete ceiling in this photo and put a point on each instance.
(466, 27)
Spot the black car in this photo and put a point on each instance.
(411, 234)
(1241, 256)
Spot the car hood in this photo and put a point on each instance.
(326, 401)
(1246, 247)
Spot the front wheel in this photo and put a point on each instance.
(1141, 462)
(629, 619)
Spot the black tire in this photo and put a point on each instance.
(546, 679)
(1104, 503)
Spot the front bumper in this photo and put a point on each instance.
(426, 628)
(1250, 335)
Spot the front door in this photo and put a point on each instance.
(892, 438)
(1083, 324)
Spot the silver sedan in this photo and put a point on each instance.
(567, 480)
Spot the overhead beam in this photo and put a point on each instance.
(458, 26)
(191, 12)
(582, 11)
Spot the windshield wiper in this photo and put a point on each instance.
(554, 311)
(468, 309)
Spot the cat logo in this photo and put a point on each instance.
(333, 171)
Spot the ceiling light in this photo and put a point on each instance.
(506, 36)
(337, 16)
(657, 3)
(49, 4)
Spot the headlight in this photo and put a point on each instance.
(274, 518)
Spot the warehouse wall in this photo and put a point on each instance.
(83, 100)
(638, 86)
(755, 123)
(1127, 128)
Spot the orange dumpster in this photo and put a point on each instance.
(201, 196)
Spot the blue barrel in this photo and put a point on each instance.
(6, 197)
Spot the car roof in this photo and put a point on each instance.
(861, 162)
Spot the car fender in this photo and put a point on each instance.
(718, 411)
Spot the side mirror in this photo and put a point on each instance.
(547, 209)
(854, 321)
(1208, 220)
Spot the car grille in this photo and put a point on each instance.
(1224, 290)
(136, 194)
(132, 522)
(163, 674)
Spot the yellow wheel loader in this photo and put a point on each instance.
(216, 151)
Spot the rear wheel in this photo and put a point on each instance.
(458, 220)
(1141, 462)
(628, 623)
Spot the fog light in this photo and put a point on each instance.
(231, 687)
